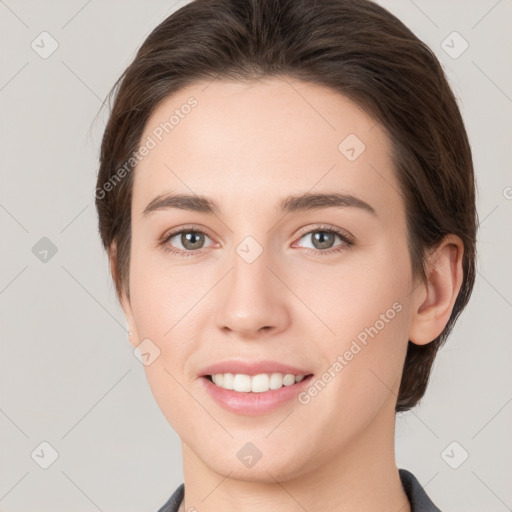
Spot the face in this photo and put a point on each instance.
(322, 285)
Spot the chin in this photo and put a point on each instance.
(258, 461)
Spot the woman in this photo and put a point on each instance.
(287, 198)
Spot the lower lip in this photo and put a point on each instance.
(249, 403)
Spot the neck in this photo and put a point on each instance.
(361, 475)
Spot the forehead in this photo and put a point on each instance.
(255, 142)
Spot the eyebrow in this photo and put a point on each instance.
(302, 202)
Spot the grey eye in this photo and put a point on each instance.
(322, 238)
(190, 240)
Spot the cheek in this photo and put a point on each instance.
(365, 306)
(165, 293)
(163, 308)
(352, 295)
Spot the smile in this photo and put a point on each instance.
(254, 395)
(260, 383)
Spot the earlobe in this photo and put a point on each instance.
(434, 299)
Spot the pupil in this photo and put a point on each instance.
(321, 237)
(191, 240)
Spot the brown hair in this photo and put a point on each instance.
(354, 47)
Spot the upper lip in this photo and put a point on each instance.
(251, 368)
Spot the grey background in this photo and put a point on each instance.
(67, 372)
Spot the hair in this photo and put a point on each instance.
(354, 47)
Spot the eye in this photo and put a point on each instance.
(185, 242)
(189, 242)
(323, 239)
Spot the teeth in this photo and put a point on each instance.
(256, 383)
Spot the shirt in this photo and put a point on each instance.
(418, 498)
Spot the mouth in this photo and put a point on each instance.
(253, 395)
(260, 383)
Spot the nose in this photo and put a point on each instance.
(253, 301)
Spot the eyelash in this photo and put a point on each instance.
(346, 239)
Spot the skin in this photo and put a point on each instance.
(247, 146)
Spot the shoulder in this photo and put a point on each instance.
(420, 502)
(174, 502)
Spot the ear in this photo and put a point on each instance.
(123, 298)
(434, 299)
